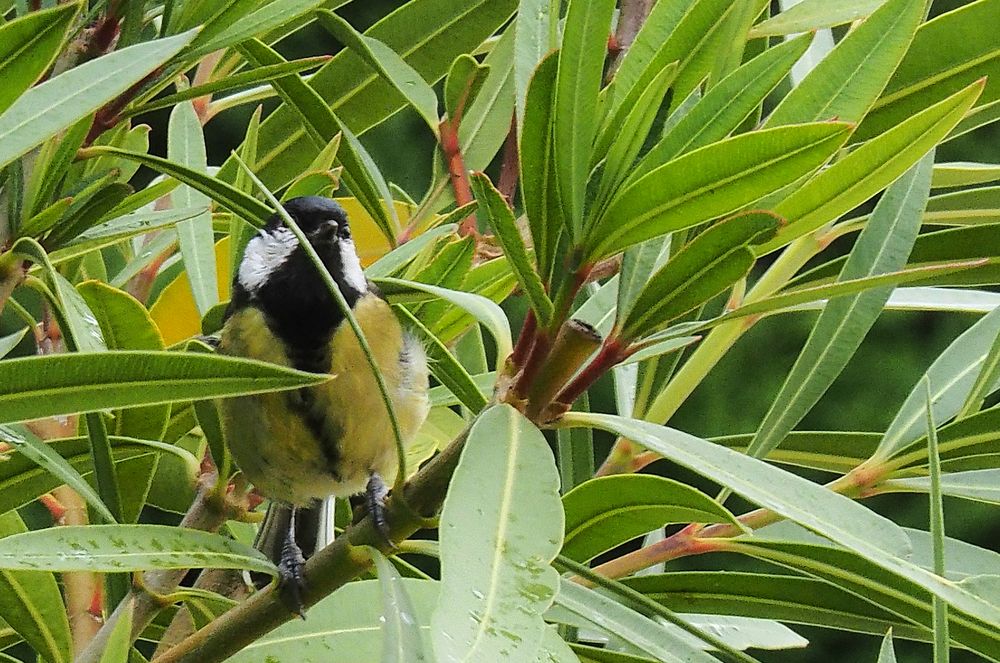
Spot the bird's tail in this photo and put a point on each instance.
(314, 530)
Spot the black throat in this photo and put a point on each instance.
(298, 307)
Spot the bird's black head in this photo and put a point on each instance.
(278, 277)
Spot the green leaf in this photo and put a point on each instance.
(964, 174)
(464, 80)
(574, 123)
(9, 342)
(859, 530)
(969, 207)
(539, 187)
(402, 641)
(639, 631)
(978, 485)
(41, 453)
(186, 147)
(608, 511)
(239, 203)
(712, 181)
(361, 174)
(812, 14)
(947, 54)
(713, 262)
(446, 368)
(117, 548)
(484, 310)
(232, 81)
(533, 39)
(396, 259)
(388, 64)
(427, 34)
(622, 141)
(30, 602)
(787, 598)
(638, 263)
(688, 32)
(812, 506)
(951, 377)
(45, 386)
(28, 45)
(845, 83)
(267, 16)
(868, 169)
(501, 525)
(726, 105)
(886, 654)
(797, 296)
(22, 481)
(905, 594)
(119, 642)
(345, 627)
(60, 102)
(883, 246)
(502, 221)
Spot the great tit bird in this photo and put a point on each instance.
(301, 447)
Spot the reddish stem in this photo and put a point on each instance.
(511, 166)
(458, 173)
(109, 115)
(539, 352)
(53, 506)
(610, 354)
(525, 340)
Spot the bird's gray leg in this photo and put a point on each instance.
(375, 494)
(290, 568)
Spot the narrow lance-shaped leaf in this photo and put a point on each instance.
(402, 640)
(116, 548)
(608, 511)
(581, 67)
(46, 109)
(947, 53)
(264, 17)
(493, 603)
(532, 40)
(428, 35)
(502, 220)
(857, 529)
(715, 260)
(239, 203)
(45, 386)
(725, 105)
(539, 186)
(846, 82)
(812, 14)
(360, 172)
(465, 78)
(951, 377)
(868, 169)
(388, 64)
(186, 147)
(883, 246)
(484, 310)
(712, 181)
(27, 47)
(31, 603)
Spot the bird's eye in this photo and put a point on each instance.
(344, 231)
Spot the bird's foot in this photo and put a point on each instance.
(292, 581)
(375, 494)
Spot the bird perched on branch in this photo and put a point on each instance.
(302, 447)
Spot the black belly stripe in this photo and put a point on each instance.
(324, 431)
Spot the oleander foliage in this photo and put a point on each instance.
(650, 206)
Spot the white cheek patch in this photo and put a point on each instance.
(354, 276)
(264, 254)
